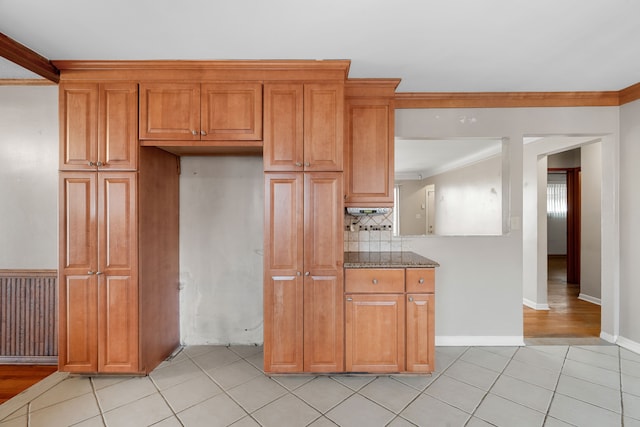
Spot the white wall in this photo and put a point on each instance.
(479, 286)
(221, 229)
(590, 219)
(630, 225)
(28, 177)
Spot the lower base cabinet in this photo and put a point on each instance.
(389, 320)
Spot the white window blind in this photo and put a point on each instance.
(557, 199)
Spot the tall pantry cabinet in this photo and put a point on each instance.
(118, 203)
(303, 274)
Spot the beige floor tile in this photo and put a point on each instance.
(358, 411)
(144, 412)
(486, 359)
(526, 394)
(256, 393)
(219, 410)
(477, 422)
(192, 392)
(215, 358)
(286, 411)
(20, 421)
(245, 351)
(400, 422)
(554, 422)
(175, 374)
(246, 422)
(589, 392)
(323, 393)
(96, 421)
(102, 382)
(389, 393)
(20, 412)
(65, 390)
(630, 422)
(631, 406)
(322, 422)
(592, 374)
(594, 358)
(234, 374)
(540, 357)
(630, 367)
(532, 374)
(354, 382)
(456, 393)
(471, 374)
(579, 413)
(427, 411)
(505, 413)
(629, 355)
(66, 413)
(418, 382)
(125, 392)
(292, 382)
(172, 421)
(630, 384)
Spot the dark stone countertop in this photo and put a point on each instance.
(386, 260)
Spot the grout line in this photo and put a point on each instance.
(95, 396)
(175, 415)
(29, 414)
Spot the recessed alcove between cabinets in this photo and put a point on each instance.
(149, 239)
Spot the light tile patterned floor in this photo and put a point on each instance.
(541, 385)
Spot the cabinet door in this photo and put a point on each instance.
(78, 264)
(420, 332)
(78, 126)
(118, 276)
(283, 127)
(369, 153)
(170, 111)
(374, 333)
(283, 284)
(323, 127)
(324, 282)
(231, 111)
(118, 126)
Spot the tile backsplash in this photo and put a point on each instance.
(370, 234)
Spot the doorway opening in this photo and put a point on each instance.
(569, 309)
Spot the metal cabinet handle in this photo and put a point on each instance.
(202, 132)
(91, 163)
(306, 273)
(374, 281)
(91, 273)
(349, 299)
(410, 299)
(298, 164)
(421, 281)
(194, 132)
(98, 273)
(307, 164)
(99, 164)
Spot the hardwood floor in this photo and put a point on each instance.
(568, 316)
(16, 378)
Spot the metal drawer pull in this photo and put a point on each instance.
(298, 164)
(349, 299)
(410, 299)
(421, 281)
(374, 281)
(194, 132)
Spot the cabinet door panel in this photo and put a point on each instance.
(323, 324)
(283, 324)
(118, 126)
(323, 127)
(283, 246)
(170, 111)
(283, 286)
(78, 127)
(78, 324)
(78, 227)
(420, 332)
(283, 127)
(374, 333)
(323, 219)
(118, 325)
(232, 111)
(369, 153)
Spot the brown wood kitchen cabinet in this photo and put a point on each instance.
(389, 320)
(98, 265)
(201, 111)
(98, 126)
(303, 279)
(369, 142)
(303, 127)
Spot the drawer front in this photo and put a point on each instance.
(421, 280)
(372, 280)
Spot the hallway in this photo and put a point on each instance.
(568, 316)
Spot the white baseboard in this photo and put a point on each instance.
(608, 337)
(588, 298)
(628, 344)
(466, 341)
(534, 305)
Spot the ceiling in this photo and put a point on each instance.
(432, 45)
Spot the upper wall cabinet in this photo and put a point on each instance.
(304, 126)
(98, 128)
(201, 112)
(369, 143)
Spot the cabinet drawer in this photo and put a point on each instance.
(421, 280)
(374, 280)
